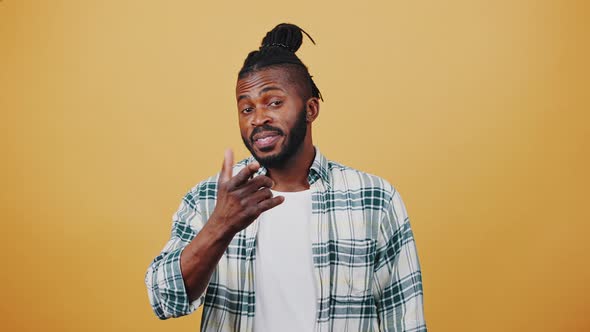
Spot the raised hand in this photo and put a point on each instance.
(241, 198)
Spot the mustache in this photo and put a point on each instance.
(265, 127)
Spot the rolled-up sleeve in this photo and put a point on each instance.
(397, 285)
(165, 286)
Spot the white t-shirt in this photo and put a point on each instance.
(284, 279)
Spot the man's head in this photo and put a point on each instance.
(277, 98)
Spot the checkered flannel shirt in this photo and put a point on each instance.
(367, 272)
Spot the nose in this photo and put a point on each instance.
(260, 117)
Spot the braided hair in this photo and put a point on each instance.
(278, 49)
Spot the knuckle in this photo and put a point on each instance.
(252, 211)
(244, 204)
(234, 196)
(264, 205)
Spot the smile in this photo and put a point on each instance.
(266, 139)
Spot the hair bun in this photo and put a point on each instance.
(285, 35)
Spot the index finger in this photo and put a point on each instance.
(226, 167)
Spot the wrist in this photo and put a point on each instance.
(221, 229)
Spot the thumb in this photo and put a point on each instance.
(226, 168)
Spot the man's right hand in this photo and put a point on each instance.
(241, 199)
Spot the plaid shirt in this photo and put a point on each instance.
(366, 267)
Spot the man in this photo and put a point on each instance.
(287, 240)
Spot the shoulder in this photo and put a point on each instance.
(368, 192)
(344, 177)
(374, 193)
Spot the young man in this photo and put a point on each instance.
(287, 240)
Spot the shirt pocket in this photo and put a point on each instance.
(353, 261)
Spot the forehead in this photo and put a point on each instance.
(259, 79)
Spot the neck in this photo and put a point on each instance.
(293, 175)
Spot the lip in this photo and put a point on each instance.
(263, 141)
(264, 134)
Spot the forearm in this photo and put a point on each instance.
(200, 257)
(178, 277)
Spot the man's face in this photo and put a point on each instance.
(272, 116)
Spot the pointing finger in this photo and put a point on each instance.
(226, 167)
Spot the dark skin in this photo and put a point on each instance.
(270, 97)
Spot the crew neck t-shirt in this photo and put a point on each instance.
(284, 285)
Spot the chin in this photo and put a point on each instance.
(270, 154)
(269, 151)
(270, 159)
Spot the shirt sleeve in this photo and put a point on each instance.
(165, 286)
(397, 285)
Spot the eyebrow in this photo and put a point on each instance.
(268, 88)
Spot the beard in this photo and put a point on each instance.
(295, 138)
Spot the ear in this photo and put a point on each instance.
(313, 109)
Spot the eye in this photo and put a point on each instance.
(247, 110)
(276, 103)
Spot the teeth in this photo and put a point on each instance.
(265, 138)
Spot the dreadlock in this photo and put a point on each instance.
(278, 49)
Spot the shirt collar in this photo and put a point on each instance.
(319, 169)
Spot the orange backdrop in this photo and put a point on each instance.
(477, 111)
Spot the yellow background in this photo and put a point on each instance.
(477, 111)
